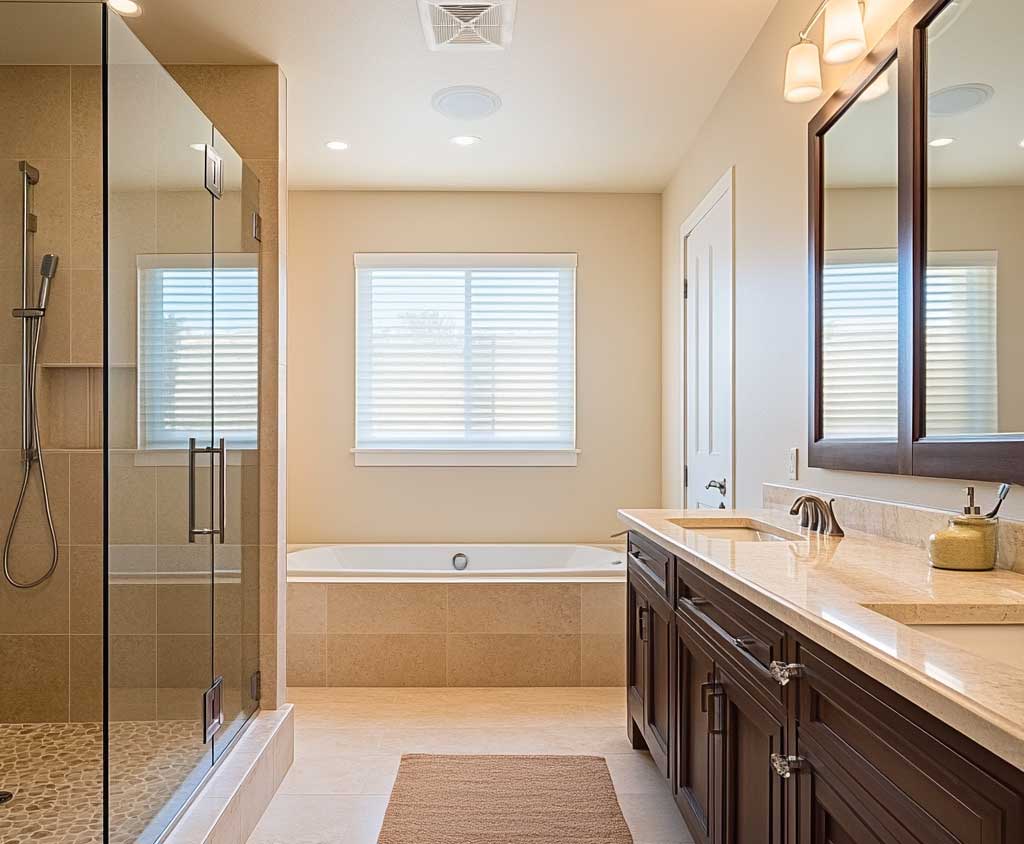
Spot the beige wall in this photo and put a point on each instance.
(618, 370)
(765, 138)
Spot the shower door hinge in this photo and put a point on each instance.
(213, 709)
(213, 176)
(32, 224)
(686, 476)
(257, 227)
(686, 288)
(256, 685)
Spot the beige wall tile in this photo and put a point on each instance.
(132, 501)
(87, 213)
(386, 607)
(306, 660)
(227, 603)
(10, 297)
(10, 227)
(69, 409)
(123, 419)
(34, 679)
(184, 607)
(32, 526)
(86, 566)
(86, 678)
(51, 202)
(87, 497)
(36, 111)
(132, 608)
(603, 608)
(87, 316)
(43, 609)
(513, 660)
(183, 661)
(10, 405)
(385, 659)
(86, 111)
(307, 608)
(603, 660)
(514, 608)
(273, 685)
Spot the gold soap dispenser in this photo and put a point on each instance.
(970, 541)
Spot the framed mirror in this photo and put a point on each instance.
(854, 271)
(916, 260)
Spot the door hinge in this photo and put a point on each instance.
(213, 174)
(686, 288)
(256, 685)
(257, 227)
(686, 476)
(785, 765)
(213, 709)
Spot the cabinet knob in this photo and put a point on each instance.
(785, 765)
(783, 672)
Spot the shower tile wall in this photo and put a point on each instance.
(50, 636)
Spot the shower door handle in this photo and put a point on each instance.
(193, 531)
(222, 492)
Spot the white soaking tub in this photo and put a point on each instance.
(512, 562)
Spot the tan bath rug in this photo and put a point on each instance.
(503, 800)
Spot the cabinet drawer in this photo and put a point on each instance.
(750, 639)
(922, 777)
(654, 561)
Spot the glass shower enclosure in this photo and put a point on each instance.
(129, 355)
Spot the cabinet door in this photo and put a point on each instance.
(658, 670)
(696, 749)
(636, 611)
(753, 795)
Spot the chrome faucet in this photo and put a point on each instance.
(817, 515)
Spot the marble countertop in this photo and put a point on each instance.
(820, 585)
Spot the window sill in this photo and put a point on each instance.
(456, 457)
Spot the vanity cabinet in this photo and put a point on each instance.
(825, 755)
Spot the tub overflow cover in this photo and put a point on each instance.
(460, 561)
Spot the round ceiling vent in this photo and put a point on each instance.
(960, 99)
(466, 102)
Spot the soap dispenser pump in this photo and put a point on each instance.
(969, 543)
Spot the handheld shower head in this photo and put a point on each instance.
(48, 269)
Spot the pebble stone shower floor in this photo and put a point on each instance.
(56, 774)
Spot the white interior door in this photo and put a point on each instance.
(708, 267)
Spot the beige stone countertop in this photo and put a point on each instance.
(820, 585)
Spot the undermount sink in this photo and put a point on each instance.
(736, 530)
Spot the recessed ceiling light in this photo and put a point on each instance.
(466, 102)
(465, 140)
(1022, 144)
(942, 142)
(337, 145)
(125, 8)
(960, 99)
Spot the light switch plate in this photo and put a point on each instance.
(793, 464)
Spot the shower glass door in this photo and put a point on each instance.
(163, 467)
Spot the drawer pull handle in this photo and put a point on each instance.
(699, 602)
(711, 695)
(785, 765)
(744, 642)
(783, 672)
(641, 616)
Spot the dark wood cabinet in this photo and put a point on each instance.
(822, 755)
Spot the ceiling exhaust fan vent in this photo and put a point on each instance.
(467, 26)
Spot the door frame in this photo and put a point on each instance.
(724, 188)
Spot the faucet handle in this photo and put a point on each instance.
(833, 523)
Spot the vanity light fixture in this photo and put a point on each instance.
(845, 40)
(337, 146)
(465, 140)
(942, 142)
(125, 8)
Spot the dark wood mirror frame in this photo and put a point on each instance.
(912, 453)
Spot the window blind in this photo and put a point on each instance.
(465, 352)
(860, 344)
(198, 350)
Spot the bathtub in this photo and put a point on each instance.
(512, 562)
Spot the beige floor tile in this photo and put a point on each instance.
(654, 819)
(328, 819)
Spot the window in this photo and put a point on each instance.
(177, 339)
(465, 359)
(860, 313)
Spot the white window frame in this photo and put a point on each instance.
(364, 456)
(155, 455)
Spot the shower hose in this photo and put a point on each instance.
(33, 455)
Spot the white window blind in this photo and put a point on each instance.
(961, 360)
(193, 335)
(860, 337)
(465, 353)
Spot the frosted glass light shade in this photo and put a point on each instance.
(844, 31)
(877, 89)
(803, 73)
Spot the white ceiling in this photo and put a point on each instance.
(598, 95)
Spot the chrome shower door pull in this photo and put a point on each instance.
(193, 531)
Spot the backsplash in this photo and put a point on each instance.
(899, 522)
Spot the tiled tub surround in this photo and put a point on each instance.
(395, 633)
(828, 589)
(899, 522)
